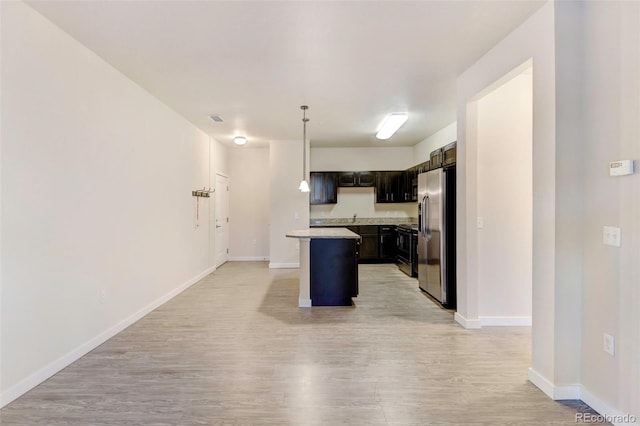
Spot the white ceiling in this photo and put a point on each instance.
(256, 62)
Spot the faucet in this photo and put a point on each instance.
(354, 217)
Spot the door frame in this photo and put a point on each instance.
(216, 260)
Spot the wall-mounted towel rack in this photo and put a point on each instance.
(202, 192)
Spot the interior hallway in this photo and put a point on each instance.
(236, 349)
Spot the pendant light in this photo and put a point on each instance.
(304, 185)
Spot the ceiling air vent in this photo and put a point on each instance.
(216, 118)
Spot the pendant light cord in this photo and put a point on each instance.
(304, 109)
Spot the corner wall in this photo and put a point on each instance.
(586, 67)
(289, 208)
(533, 40)
(611, 283)
(98, 222)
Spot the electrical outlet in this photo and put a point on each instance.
(609, 344)
(480, 222)
(611, 236)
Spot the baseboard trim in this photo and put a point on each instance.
(557, 393)
(505, 321)
(541, 382)
(304, 303)
(467, 323)
(248, 258)
(54, 367)
(283, 265)
(609, 413)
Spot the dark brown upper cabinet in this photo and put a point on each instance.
(388, 187)
(356, 179)
(324, 188)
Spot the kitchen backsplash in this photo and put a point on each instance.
(361, 202)
(363, 221)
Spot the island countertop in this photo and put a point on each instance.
(323, 233)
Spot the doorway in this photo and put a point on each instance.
(221, 220)
(504, 143)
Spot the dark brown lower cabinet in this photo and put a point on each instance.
(388, 243)
(369, 249)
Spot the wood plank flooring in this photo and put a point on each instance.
(236, 349)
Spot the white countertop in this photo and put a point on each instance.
(323, 233)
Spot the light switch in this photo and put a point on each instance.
(611, 236)
(609, 344)
(480, 222)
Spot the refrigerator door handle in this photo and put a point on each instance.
(424, 222)
(427, 231)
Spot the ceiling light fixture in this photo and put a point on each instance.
(391, 124)
(304, 185)
(239, 140)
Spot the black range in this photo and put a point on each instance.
(407, 256)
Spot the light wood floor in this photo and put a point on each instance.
(236, 349)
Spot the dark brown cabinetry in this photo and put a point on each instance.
(436, 158)
(389, 187)
(324, 188)
(378, 243)
(388, 243)
(397, 186)
(366, 179)
(412, 183)
(449, 154)
(356, 179)
(423, 167)
(369, 242)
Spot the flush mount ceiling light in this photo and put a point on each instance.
(304, 185)
(239, 140)
(391, 124)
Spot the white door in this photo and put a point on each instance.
(221, 220)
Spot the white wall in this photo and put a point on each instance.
(361, 201)
(249, 205)
(289, 208)
(444, 136)
(534, 39)
(586, 103)
(611, 283)
(361, 159)
(98, 221)
(504, 137)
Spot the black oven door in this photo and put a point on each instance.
(404, 250)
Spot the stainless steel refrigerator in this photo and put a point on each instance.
(436, 234)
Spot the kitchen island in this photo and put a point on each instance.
(328, 266)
